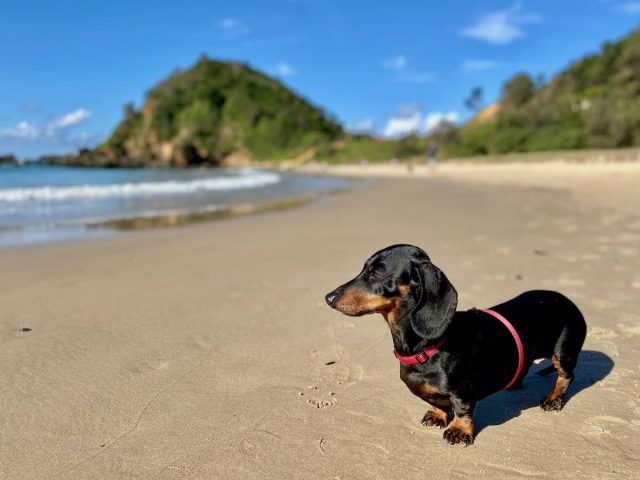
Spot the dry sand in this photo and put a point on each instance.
(207, 352)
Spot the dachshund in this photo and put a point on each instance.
(452, 359)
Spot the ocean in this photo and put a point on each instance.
(51, 203)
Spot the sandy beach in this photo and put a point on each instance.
(207, 352)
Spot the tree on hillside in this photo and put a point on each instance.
(129, 110)
(474, 101)
(444, 134)
(517, 91)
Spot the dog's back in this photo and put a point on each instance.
(546, 321)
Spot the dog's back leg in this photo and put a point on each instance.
(565, 358)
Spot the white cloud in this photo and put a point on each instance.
(395, 63)
(234, 28)
(501, 27)
(66, 121)
(56, 130)
(362, 127)
(409, 119)
(434, 119)
(629, 7)
(283, 69)
(479, 65)
(23, 131)
(494, 28)
(402, 125)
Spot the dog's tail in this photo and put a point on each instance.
(546, 371)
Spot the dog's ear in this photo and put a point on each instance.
(436, 300)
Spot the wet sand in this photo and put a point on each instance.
(206, 351)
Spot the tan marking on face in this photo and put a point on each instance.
(357, 302)
(403, 289)
(391, 315)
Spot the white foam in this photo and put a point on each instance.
(246, 179)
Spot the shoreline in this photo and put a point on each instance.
(292, 189)
(554, 174)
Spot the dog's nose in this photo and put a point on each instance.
(331, 297)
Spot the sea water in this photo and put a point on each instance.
(46, 203)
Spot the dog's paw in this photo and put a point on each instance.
(551, 404)
(434, 419)
(456, 436)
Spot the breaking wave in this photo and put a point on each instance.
(246, 179)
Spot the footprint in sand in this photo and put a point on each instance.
(320, 403)
(317, 397)
(337, 375)
(259, 442)
(333, 372)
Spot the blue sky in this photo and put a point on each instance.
(388, 67)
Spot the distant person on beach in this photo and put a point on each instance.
(432, 154)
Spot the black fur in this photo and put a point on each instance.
(479, 356)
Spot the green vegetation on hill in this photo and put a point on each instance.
(357, 148)
(215, 113)
(224, 113)
(595, 103)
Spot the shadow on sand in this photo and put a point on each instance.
(499, 408)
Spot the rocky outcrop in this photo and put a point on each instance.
(215, 113)
(8, 160)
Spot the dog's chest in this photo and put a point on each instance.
(420, 385)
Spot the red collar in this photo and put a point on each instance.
(419, 357)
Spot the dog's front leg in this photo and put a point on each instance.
(460, 430)
(435, 417)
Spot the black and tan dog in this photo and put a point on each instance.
(456, 358)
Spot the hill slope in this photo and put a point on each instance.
(214, 113)
(595, 103)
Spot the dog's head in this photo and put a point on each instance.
(401, 283)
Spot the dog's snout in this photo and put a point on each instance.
(331, 297)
